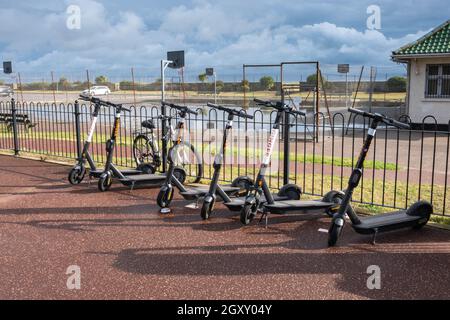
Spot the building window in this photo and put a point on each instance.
(438, 81)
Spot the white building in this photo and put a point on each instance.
(428, 61)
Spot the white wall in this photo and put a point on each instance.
(419, 106)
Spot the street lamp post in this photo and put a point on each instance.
(210, 72)
(175, 60)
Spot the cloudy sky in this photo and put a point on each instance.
(115, 35)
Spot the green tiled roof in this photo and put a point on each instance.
(435, 42)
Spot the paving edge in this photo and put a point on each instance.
(36, 159)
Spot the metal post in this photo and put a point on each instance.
(164, 65)
(215, 88)
(163, 112)
(53, 88)
(14, 119)
(346, 91)
(317, 102)
(286, 134)
(373, 75)
(77, 114)
(134, 87)
(20, 85)
(243, 86)
(88, 80)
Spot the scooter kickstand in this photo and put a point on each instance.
(197, 201)
(374, 237)
(266, 216)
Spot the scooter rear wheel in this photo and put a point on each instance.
(244, 183)
(180, 174)
(76, 175)
(423, 209)
(291, 191)
(333, 197)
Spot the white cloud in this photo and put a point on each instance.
(210, 34)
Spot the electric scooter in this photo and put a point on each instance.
(78, 172)
(195, 191)
(110, 171)
(209, 198)
(416, 216)
(288, 200)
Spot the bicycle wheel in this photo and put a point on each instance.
(185, 156)
(143, 150)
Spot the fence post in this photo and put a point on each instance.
(286, 134)
(14, 120)
(77, 128)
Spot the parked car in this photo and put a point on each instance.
(6, 91)
(97, 91)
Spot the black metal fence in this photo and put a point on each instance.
(402, 166)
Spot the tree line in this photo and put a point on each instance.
(265, 83)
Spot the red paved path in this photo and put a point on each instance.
(126, 250)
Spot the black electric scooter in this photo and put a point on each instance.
(111, 171)
(288, 199)
(209, 198)
(195, 191)
(416, 216)
(78, 172)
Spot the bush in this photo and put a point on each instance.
(312, 79)
(245, 85)
(202, 77)
(101, 80)
(267, 82)
(219, 86)
(396, 84)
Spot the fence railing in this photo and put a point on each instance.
(402, 166)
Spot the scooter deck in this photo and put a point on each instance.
(386, 222)
(144, 180)
(196, 192)
(237, 203)
(297, 206)
(128, 172)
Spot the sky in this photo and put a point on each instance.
(116, 35)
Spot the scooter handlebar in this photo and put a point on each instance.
(263, 102)
(180, 108)
(357, 111)
(279, 106)
(239, 113)
(242, 114)
(298, 112)
(84, 98)
(386, 120)
(103, 103)
(398, 124)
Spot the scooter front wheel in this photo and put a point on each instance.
(248, 213)
(165, 197)
(76, 175)
(207, 208)
(105, 182)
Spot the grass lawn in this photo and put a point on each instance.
(127, 141)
